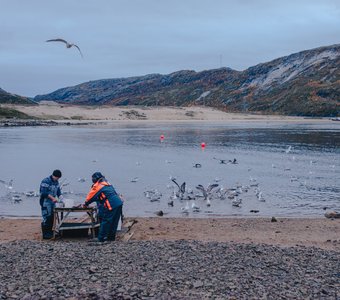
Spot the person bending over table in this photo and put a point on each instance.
(109, 206)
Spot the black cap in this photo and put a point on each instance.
(56, 173)
(96, 176)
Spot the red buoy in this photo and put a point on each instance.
(203, 145)
(162, 137)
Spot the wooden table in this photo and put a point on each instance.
(61, 216)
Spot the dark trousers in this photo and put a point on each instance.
(47, 211)
(109, 223)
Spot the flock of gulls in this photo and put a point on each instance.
(179, 195)
(188, 198)
(201, 197)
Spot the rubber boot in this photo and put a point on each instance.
(46, 232)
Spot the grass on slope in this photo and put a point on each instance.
(9, 113)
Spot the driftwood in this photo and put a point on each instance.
(126, 230)
(127, 236)
(129, 224)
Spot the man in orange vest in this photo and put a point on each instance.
(109, 206)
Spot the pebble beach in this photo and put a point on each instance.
(166, 258)
(166, 270)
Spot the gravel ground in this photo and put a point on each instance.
(166, 270)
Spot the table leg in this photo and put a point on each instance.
(55, 220)
(93, 226)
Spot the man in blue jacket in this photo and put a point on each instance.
(49, 191)
(109, 206)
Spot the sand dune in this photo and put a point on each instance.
(54, 111)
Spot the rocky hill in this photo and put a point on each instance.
(304, 83)
(9, 98)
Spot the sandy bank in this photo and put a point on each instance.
(133, 113)
(321, 233)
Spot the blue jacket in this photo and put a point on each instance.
(105, 195)
(49, 187)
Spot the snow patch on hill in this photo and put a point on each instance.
(289, 69)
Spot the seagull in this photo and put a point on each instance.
(68, 45)
(202, 189)
(135, 179)
(186, 208)
(260, 197)
(64, 183)
(194, 207)
(236, 202)
(31, 194)
(234, 161)
(211, 187)
(221, 193)
(252, 179)
(173, 196)
(153, 195)
(206, 192)
(8, 185)
(288, 149)
(16, 198)
(222, 161)
(293, 178)
(181, 189)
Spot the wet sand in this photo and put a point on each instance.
(287, 232)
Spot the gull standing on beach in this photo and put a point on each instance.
(68, 45)
(8, 185)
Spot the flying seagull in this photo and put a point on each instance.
(68, 45)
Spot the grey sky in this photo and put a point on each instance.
(121, 38)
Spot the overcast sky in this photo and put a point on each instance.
(121, 38)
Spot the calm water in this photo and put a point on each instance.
(299, 183)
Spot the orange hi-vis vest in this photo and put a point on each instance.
(104, 194)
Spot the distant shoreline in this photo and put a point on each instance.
(34, 123)
(66, 115)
